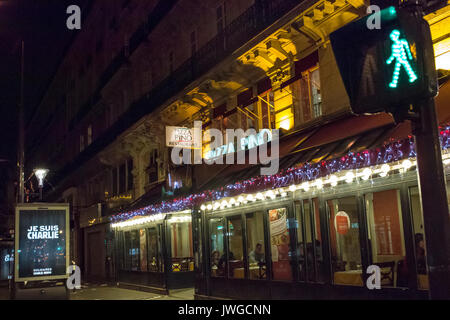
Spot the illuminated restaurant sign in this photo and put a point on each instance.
(245, 143)
(42, 241)
(182, 137)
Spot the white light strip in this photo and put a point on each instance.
(349, 176)
(151, 218)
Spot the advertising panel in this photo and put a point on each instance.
(41, 242)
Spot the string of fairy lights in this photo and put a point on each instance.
(397, 156)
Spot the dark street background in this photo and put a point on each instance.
(41, 24)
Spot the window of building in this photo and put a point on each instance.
(235, 248)
(181, 246)
(385, 233)
(256, 258)
(310, 100)
(306, 90)
(122, 178)
(280, 244)
(171, 61)
(114, 182)
(89, 134)
(218, 257)
(419, 243)
(82, 142)
(193, 42)
(266, 104)
(220, 18)
(126, 46)
(130, 177)
(152, 169)
(125, 100)
(344, 241)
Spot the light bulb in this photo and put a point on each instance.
(349, 177)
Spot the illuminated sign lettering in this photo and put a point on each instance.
(245, 143)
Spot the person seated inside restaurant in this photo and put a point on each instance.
(215, 258)
(257, 255)
(420, 254)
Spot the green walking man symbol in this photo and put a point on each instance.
(400, 50)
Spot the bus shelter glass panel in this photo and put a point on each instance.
(280, 244)
(385, 233)
(255, 246)
(345, 246)
(181, 246)
(235, 248)
(218, 258)
(419, 242)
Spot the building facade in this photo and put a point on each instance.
(139, 66)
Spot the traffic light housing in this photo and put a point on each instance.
(388, 68)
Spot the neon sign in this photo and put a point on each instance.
(249, 142)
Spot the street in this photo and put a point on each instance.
(105, 292)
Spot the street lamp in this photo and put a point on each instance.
(40, 175)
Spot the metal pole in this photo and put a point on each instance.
(434, 200)
(20, 156)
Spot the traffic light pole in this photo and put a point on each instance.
(434, 199)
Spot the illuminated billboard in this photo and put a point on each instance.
(42, 241)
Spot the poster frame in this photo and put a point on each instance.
(37, 207)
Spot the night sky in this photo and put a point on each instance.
(42, 26)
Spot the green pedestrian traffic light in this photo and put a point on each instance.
(388, 68)
(400, 48)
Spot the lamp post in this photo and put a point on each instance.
(40, 175)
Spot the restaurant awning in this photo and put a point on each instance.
(330, 141)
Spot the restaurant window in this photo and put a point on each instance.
(256, 246)
(280, 243)
(154, 256)
(309, 241)
(181, 246)
(385, 233)
(235, 248)
(345, 246)
(218, 259)
(143, 249)
(419, 241)
(132, 250)
(121, 250)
